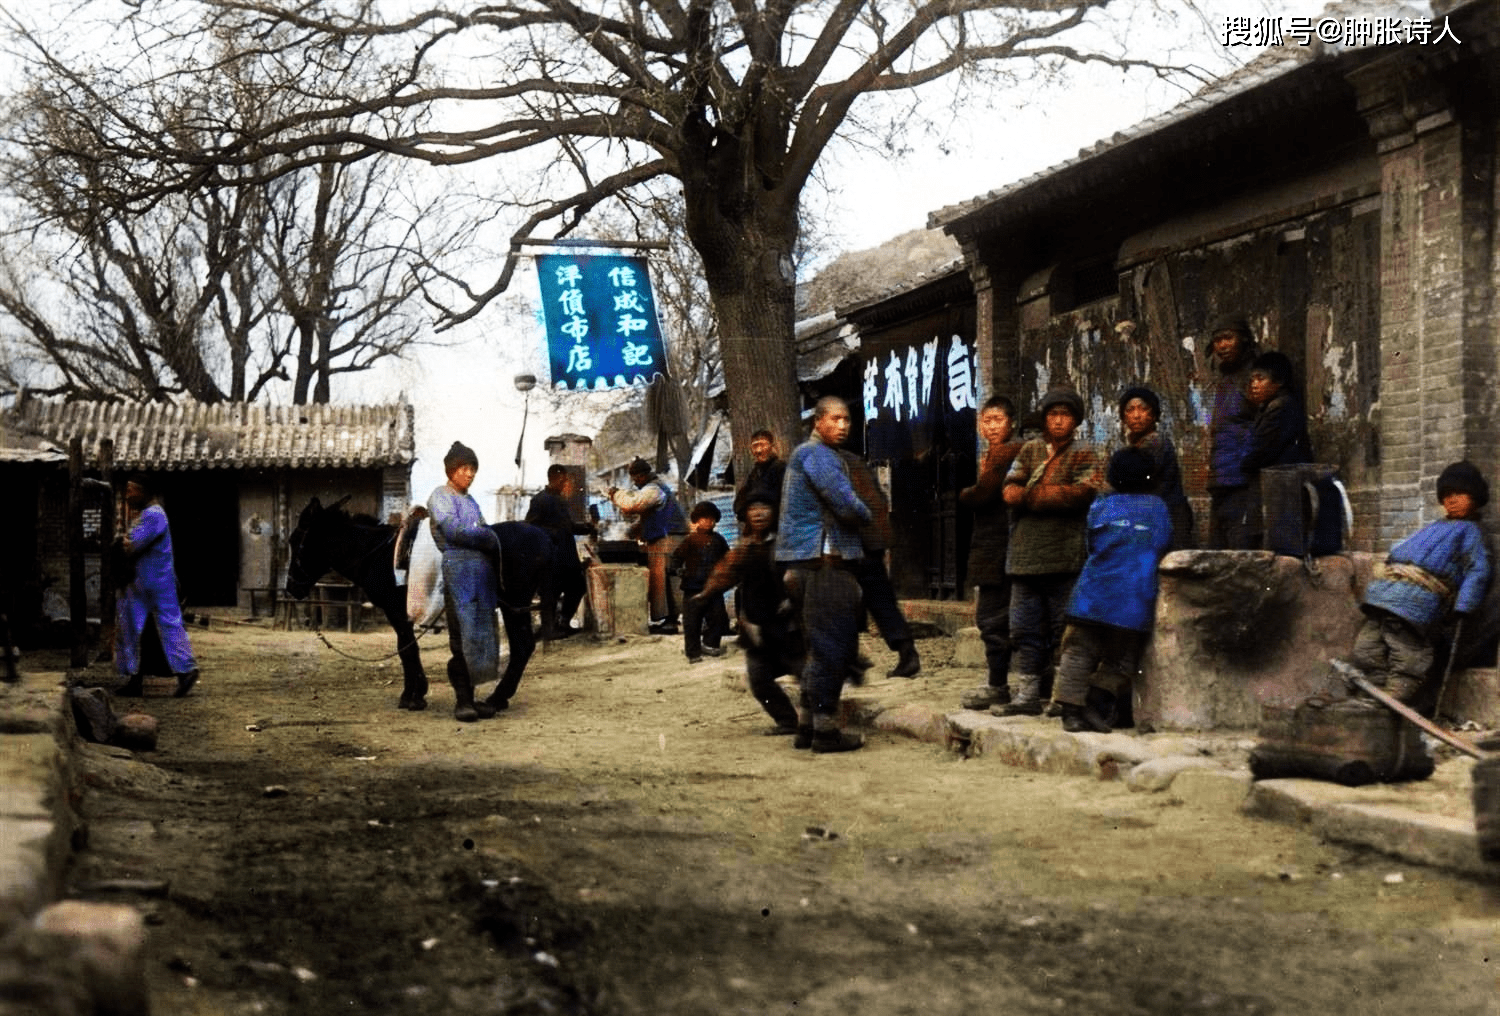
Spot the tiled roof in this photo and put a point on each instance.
(234, 435)
(1274, 63)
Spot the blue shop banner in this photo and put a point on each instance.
(602, 330)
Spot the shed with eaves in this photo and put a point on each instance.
(232, 477)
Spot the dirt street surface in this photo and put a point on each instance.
(624, 840)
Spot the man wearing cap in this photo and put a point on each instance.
(1049, 488)
(1234, 503)
(662, 525)
(471, 586)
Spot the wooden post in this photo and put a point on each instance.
(108, 582)
(78, 600)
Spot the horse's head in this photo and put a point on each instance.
(309, 558)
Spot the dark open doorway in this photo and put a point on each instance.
(203, 510)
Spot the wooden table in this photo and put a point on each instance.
(330, 594)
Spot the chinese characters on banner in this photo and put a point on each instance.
(915, 393)
(602, 330)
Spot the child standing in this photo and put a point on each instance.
(1049, 488)
(772, 644)
(1140, 415)
(1443, 568)
(704, 619)
(987, 547)
(1114, 600)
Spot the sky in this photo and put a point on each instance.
(466, 392)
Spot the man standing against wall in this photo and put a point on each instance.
(1234, 502)
(819, 541)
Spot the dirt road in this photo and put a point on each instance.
(625, 841)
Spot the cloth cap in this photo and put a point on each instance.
(459, 455)
(1464, 478)
(1237, 323)
(1131, 471)
(1146, 395)
(1275, 364)
(1064, 397)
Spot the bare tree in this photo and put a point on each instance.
(734, 101)
(216, 291)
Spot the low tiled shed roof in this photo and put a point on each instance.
(234, 435)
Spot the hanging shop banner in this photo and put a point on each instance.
(602, 330)
(917, 395)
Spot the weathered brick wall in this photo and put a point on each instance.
(1310, 286)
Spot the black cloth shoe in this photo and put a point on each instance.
(909, 664)
(826, 741)
(1023, 708)
(1081, 720)
(185, 683)
(499, 705)
(134, 687)
(781, 730)
(804, 738)
(712, 651)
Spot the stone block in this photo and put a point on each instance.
(1213, 788)
(1239, 629)
(33, 854)
(968, 649)
(617, 595)
(1158, 774)
(136, 731)
(946, 615)
(914, 720)
(110, 942)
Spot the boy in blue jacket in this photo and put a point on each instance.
(1441, 569)
(1113, 604)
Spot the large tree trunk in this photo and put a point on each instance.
(746, 251)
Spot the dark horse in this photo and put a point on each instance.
(362, 550)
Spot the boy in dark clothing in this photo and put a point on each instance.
(987, 549)
(1051, 483)
(1441, 569)
(1279, 427)
(1114, 600)
(704, 619)
(772, 644)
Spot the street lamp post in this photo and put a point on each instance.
(524, 383)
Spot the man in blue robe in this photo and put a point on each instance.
(151, 593)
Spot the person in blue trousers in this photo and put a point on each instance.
(151, 593)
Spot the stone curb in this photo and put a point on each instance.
(37, 817)
(1184, 767)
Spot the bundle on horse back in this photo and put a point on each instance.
(419, 566)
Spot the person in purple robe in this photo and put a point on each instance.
(152, 593)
